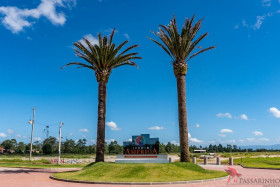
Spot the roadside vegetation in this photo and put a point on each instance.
(259, 162)
(42, 163)
(120, 172)
(81, 149)
(78, 154)
(249, 154)
(38, 165)
(35, 156)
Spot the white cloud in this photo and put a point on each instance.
(83, 130)
(20, 136)
(156, 128)
(236, 26)
(266, 3)
(175, 142)
(222, 135)
(260, 19)
(240, 140)
(126, 36)
(37, 139)
(92, 141)
(244, 116)
(259, 22)
(226, 131)
(90, 38)
(275, 112)
(15, 19)
(264, 139)
(113, 126)
(3, 135)
(251, 139)
(231, 141)
(197, 125)
(224, 115)
(84, 136)
(130, 139)
(10, 131)
(110, 140)
(257, 133)
(195, 140)
(70, 134)
(244, 23)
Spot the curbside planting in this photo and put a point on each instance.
(139, 183)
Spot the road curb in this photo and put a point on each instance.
(139, 183)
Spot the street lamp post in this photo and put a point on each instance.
(31, 122)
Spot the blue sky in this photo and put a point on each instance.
(232, 91)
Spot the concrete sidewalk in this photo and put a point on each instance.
(16, 177)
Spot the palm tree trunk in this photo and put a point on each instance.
(182, 112)
(102, 94)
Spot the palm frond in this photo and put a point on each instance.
(129, 48)
(181, 46)
(104, 56)
(162, 46)
(79, 65)
(201, 51)
(111, 36)
(130, 63)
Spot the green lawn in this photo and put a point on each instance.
(121, 172)
(260, 162)
(240, 154)
(65, 155)
(30, 165)
(43, 163)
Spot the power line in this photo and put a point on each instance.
(49, 124)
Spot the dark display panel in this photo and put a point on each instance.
(141, 144)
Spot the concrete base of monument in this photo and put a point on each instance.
(152, 158)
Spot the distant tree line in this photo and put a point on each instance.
(50, 146)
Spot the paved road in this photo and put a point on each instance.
(14, 177)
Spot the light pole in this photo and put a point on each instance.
(59, 143)
(31, 122)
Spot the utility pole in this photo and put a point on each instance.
(30, 156)
(59, 143)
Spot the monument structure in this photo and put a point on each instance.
(142, 149)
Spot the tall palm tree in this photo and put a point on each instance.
(102, 58)
(181, 47)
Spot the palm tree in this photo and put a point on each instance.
(102, 58)
(181, 48)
